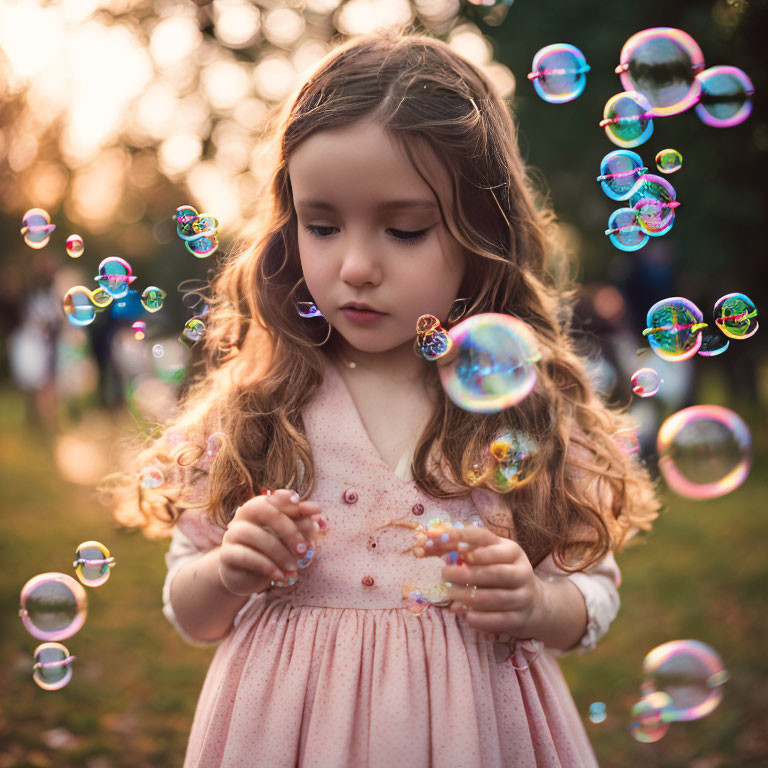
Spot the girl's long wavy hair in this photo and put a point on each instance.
(262, 365)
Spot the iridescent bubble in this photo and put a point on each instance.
(650, 720)
(414, 599)
(654, 202)
(512, 460)
(53, 606)
(194, 329)
(624, 232)
(736, 316)
(690, 673)
(713, 343)
(158, 351)
(202, 246)
(115, 276)
(627, 119)
(198, 230)
(662, 63)
(669, 160)
(75, 246)
(139, 329)
(559, 73)
(495, 363)
(37, 228)
(150, 477)
(93, 563)
(645, 382)
(152, 298)
(674, 328)
(101, 298)
(619, 173)
(627, 440)
(726, 96)
(78, 306)
(186, 217)
(597, 712)
(705, 451)
(53, 666)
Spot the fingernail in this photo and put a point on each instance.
(278, 576)
(301, 547)
(295, 498)
(463, 546)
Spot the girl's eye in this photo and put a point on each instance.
(409, 238)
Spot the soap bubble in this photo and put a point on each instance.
(669, 160)
(627, 119)
(645, 382)
(559, 73)
(158, 351)
(736, 316)
(495, 364)
(626, 440)
(139, 330)
(194, 329)
(674, 328)
(619, 173)
(726, 96)
(704, 451)
(53, 606)
(414, 599)
(101, 298)
(713, 343)
(37, 228)
(78, 306)
(654, 202)
(690, 673)
(650, 717)
(662, 63)
(624, 232)
(115, 276)
(149, 477)
(597, 712)
(198, 230)
(75, 247)
(93, 563)
(152, 298)
(53, 666)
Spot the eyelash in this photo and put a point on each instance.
(412, 238)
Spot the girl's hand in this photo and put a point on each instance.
(264, 540)
(504, 594)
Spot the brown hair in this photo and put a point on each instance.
(262, 366)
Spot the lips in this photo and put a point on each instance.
(361, 307)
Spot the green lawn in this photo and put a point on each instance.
(701, 574)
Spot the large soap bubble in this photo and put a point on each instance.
(115, 276)
(624, 231)
(53, 666)
(726, 96)
(654, 201)
(691, 673)
(628, 119)
(673, 328)
(559, 73)
(704, 451)
(495, 365)
(620, 171)
(736, 316)
(37, 228)
(79, 306)
(662, 64)
(53, 606)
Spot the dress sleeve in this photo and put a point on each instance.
(599, 587)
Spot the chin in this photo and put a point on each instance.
(374, 343)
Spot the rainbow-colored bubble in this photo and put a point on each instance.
(75, 246)
(645, 382)
(52, 669)
(559, 73)
(93, 563)
(495, 367)
(139, 329)
(152, 298)
(713, 342)
(115, 276)
(650, 717)
(654, 202)
(673, 328)
(736, 316)
(194, 329)
(53, 606)
(198, 230)
(669, 161)
(726, 96)
(36, 228)
(620, 171)
(624, 231)
(628, 119)
(705, 451)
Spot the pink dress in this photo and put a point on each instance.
(336, 671)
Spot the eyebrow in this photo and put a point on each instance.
(389, 205)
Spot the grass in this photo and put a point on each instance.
(702, 573)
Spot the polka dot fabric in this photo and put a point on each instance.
(336, 672)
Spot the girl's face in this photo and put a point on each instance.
(360, 244)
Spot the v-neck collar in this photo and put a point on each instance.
(354, 413)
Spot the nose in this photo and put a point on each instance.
(360, 266)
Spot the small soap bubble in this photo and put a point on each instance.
(198, 230)
(662, 63)
(620, 171)
(713, 342)
(150, 477)
(37, 228)
(307, 559)
(75, 247)
(705, 451)
(511, 462)
(628, 119)
(152, 298)
(645, 382)
(101, 298)
(624, 231)
(654, 202)
(53, 606)
(597, 712)
(194, 329)
(415, 601)
(650, 717)
(559, 73)
(495, 367)
(673, 328)
(726, 96)
(669, 161)
(158, 351)
(115, 276)
(93, 563)
(53, 666)
(78, 306)
(690, 673)
(139, 330)
(736, 316)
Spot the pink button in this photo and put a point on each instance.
(350, 496)
(367, 581)
(418, 509)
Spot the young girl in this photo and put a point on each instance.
(303, 468)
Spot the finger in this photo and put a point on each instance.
(479, 599)
(438, 541)
(243, 558)
(492, 622)
(504, 551)
(501, 575)
(297, 533)
(267, 540)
